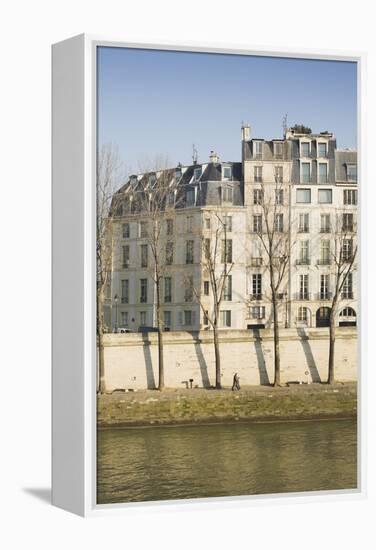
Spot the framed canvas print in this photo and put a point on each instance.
(207, 274)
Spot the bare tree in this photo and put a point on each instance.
(271, 225)
(108, 179)
(216, 265)
(343, 256)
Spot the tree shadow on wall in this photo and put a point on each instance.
(263, 373)
(201, 361)
(311, 363)
(150, 379)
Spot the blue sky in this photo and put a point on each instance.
(154, 102)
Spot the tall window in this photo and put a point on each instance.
(325, 223)
(350, 196)
(125, 255)
(303, 287)
(124, 318)
(323, 172)
(207, 249)
(257, 286)
(167, 319)
(124, 291)
(187, 318)
(206, 317)
(279, 196)
(189, 252)
(143, 291)
(144, 255)
(325, 252)
(197, 173)
(347, 222)
(304, 253)
(305, 148)
(257, 223)
(257, 196)
(126, 231)
(324, 286)
(169, 253)
(207, 223)
(258, 174)
(169, 227)
(347, 250)
(325, 196)
(278, 150)
(225, 317)
(279, 223)
(278, 174)
(143, 318)
(303, 315)
(322, 150)
(351, 170)
(257, 151)
(143, 229)
(303, 196)
(190, 197)
(347, 289)
(227, 195)
(303, 223)
(306, 172)
(188, 293)
(227, 251)
(167, 289)
(227, 223)
(227, 291)
(257, 312)
(206, 288)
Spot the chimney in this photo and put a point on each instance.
(213, 157)
(246, 132)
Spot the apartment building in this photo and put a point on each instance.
(301, 189)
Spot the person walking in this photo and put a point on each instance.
(236, 382)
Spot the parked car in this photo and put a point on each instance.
(147, 329)
(123, 330)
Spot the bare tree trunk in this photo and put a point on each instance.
(277, 357)
(160, 340)
(100, 326)
(217, 355)
(332, 338)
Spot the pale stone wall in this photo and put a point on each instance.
(131, 359)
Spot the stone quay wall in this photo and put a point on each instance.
(131, 360)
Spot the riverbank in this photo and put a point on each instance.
(253, 403)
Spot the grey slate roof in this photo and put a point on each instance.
(342, 158)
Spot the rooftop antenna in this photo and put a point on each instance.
(194, 154)
(284, 125)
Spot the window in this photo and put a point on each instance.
(227, 291)
(347, 222)
(189, 224)
(279, 196)
(190, 197)
(323, 172)
(143, 229)
(169, 227)
(227, 251)
(207, 248)
(324, 252)
(257, 223)
(305, 148)
(351, 171)
(257, 286)
(322, 150)
(206, 288)
(278, 173)
(125, 230)
(188, 293)
(350, 196)
(304, 253)
(144, 255)
(257, 196)
(278, 150)
(303, 315)
(177, 174)
(303, 223)
(189, 252)
(125, 255)
(167, 319)
(279, 223)
(347, 289)
(124, 318)
(227, 223)
(324, 286)
(306, 172)
(143, 318)
(143, 291)
(325, 223)
(167, 289)
(347, 250)
(226, 172)
(257, 152)
(225, 318)
(124, 286)
(348, 312)
(187, 318)
(206, 317)
(303, 287)
(257, 312)
(325, 196)
(258, 174)
(133, 181)
(197, 173)
(303, 196)
(169, 253)
(227, 194)
(207, 223)
(152, 180)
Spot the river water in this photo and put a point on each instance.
(138, 464)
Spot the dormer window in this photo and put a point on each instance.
(351, 172)
(152, 180)
(197, 173)
(305, 149)
(133, 181)
(177, 174)
(278, 150)
(226, 172)
(227, 195)
(257, 149)
(322, 150)
(190, 197)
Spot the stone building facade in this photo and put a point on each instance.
(310, 188)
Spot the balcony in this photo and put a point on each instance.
(258, 179)
(256, 262)
(324, 261)
(323, 296)
(302, 296)
(124, 299)
(125, 264)
(257, 156)
(347, 295)
(303, 261)
(325, 230)
(303, 229)
(255, 297)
